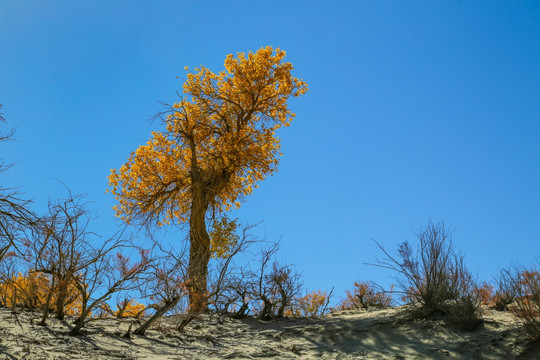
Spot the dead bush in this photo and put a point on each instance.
(507, 291)
(15, 215)
(274, 288)
(434, 279)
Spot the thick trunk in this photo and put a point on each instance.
(266, 313)
(242, 312)
(199, 253)
(187, 318)
(281, 311)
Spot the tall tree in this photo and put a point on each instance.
(219, 141)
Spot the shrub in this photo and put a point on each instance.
(507, 291)
(434, 279)
(484, 293)
(527, 303)
(364, 296)
(312, 304)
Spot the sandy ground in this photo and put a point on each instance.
(378, 334)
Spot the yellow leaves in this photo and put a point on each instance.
(129, 308)
(311, 304)
(31, 290)
(220, 135)
(223, 237)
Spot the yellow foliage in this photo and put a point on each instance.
(219, 141)
(31, 290)
(312, 304)
(130, 309)
(223, 237)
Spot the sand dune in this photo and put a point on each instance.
(379, 334)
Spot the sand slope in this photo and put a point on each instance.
(379, 334)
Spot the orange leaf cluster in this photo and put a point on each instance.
(365, 295)
(312, 304)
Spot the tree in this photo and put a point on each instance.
(56, 247)
(219, 141)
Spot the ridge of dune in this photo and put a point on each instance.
(377, 334)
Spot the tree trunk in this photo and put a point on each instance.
(63, 285)
(162, 311)
(79, 323)
(266, 313)
(186, 319)
(199, 253)
(281, 310)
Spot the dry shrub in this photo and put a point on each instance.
(526, 284)
(507, 291)
(364, 296)
(15, 215)
(434, 279)
(484, 293)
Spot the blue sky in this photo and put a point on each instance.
(416, 110)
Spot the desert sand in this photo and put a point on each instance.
(376, 334)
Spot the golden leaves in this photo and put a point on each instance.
(220, 136)
(223, 237)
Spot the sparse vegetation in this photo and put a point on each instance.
(219, 142)
(433, 278)
(520, 293)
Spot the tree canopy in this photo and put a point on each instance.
(220, 135)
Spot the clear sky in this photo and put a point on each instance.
(417, 110)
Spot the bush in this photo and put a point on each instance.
(525, 283)
(507, 291)
(364, 296)
(484, 293)
(434, 279)
(312, 304)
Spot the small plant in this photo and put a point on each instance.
(365, 295)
